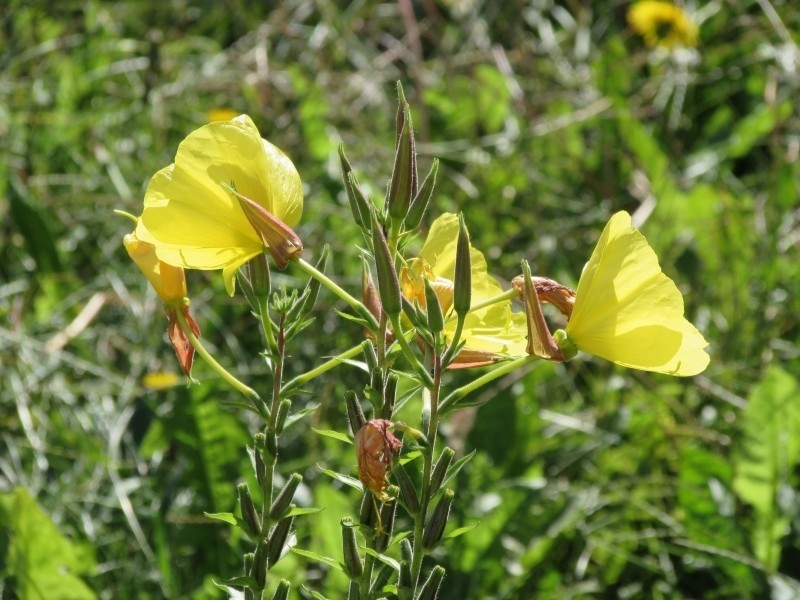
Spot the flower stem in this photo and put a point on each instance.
(507, 295)
(401, 339)
(323, 368)
(200, 349)
(336, 289)
(449, 402)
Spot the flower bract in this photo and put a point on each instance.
(192, 216)
(629, 312)
(490, 333)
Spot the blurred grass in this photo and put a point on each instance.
(547, 117)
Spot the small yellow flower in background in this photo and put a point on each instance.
(662, 24)
(195, 209)
(627, 311)
(490, 333)
(160, 380)
(170, 284)
(221, 114)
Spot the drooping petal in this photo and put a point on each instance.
(168, 281)
(629, 312)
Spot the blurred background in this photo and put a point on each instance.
(590, 481)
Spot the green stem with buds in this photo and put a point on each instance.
(357, 306)
(200, 349)
(421, 371)
(507, 295)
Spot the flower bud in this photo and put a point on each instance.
(420, 203)
(438, 521)
(389, 395)
(249, 515)
(369, 294)
(283, 411)
(353, 565)
(388, 511)
(272, 443)
(462, 293)
(277, 540)
(408, 493)
(440, 470)
(376, 448)
(367, 516)
(388, 284)
(370, 357)
(540, 342)
(284, 499)
(404, 177)
(178, 338)
(259, 569)
(355, 415)
(259, 466)
(568, 349)
(435, 316)
(280, 239)
(382, 579)
(431, 586)
(258, 271)
(282, 591)
(359, 205)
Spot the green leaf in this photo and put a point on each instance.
(223, 516)
(40, 561)
(460, 531)
(456, 467)
(319, 558)
(294, 418)
(296, 511)
(316, 595)
(345, 479)
(333, 434)
(241, 581)
(766, 456)
(387, 560)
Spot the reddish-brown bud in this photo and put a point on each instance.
(280, 239)
(376, 448)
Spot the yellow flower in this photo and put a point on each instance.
(662, 24)
(490, 333)
(627, 311)
(220, 114)
(228, 194)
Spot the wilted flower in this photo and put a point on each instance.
(376, 448)
(228, 194)
(662, 24)
(490, 333)
(170, 284)
(628, 311)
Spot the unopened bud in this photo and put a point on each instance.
(249, 515)
(284, 499)
(462, 293)
(435, 316)
(277, 540)
(366, 514)
(258, 271)
(258, 460)
(440, 470)
(540, 342)
(431, 586)
(403, 185)
(438, 521)
(388, 511)
(259, 569)
(359, 205)
(355, 415)
(370, 357)
(389, 395)
(272, 443)
(420, 203)
(388, 284)
(353, 564)
(369, 293)
(282, 591)
(280, 239)
(568, 349)
(283, 411)
(547, 290)
(408, 493)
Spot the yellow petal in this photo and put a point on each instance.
(627, 311)
(494, 329)
(194, 221)
(168, 281)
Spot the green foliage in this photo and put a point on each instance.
(588, 481)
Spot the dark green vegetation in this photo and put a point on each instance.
(589, 481)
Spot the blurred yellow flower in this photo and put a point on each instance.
(227, 195)
(490, 333)
(629, 312)
(160, 380)
(662, 24)
(220, 114)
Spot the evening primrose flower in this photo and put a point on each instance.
(491, 333)
(662, 24)
(228, 195)
(628, 311)
(169, 283)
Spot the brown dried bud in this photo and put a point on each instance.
(560, 296)
(280, 239)
(178, 338)
(376, 447)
